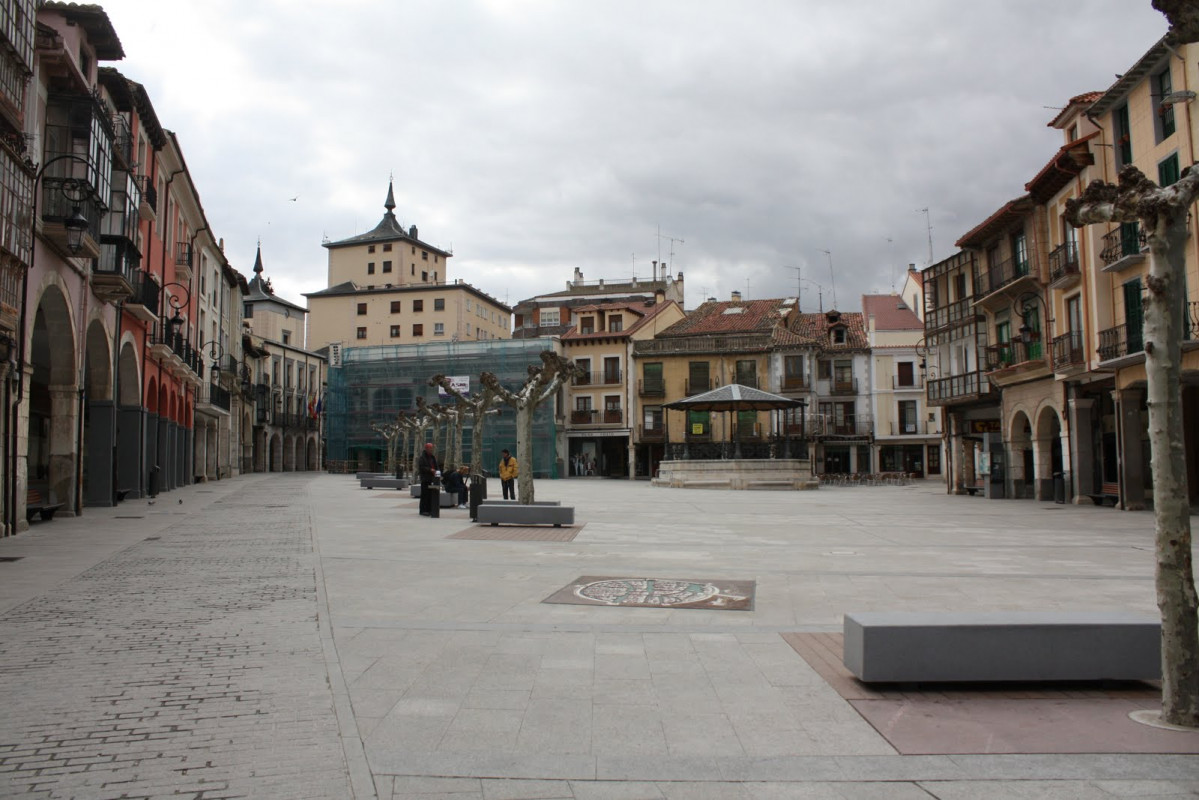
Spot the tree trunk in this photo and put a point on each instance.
(1175, 578)
(524, 452)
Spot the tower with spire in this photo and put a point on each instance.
(388, 286)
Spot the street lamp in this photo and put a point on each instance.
(216, 352)
(176, 320)
(1024, 306)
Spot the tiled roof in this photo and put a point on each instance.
(890, 313)
(812, 330)
(388, 230)
(1084, 99)
(1000, 221)
(749, 316)
(100, 33)
(645, 312)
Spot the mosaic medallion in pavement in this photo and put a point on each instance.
(718, 595)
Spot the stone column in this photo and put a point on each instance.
(1132, 456)
(1081, 450)
(101, 439)
(64, 423)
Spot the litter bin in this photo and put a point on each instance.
(152, 488)
(1059, 487)
(431, 497)
(478, 493)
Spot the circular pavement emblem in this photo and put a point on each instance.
(646, 591)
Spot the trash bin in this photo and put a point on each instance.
(152, 488)
(478, 493)
(431, 496)
(1059, 487)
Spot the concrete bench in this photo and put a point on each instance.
(914, 647)
(383, 483)
(362, 475)
(517, 503)
(517, 514)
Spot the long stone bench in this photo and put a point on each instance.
(518, 514)
(914, 647)
(383, 483)
(517, 503)
(361, 475)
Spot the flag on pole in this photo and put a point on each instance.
(312, 405)
(319, 401)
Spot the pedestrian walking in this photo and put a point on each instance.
(430, 475)
(509, 469)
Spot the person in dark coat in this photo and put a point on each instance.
(456, 482)
(430, 472)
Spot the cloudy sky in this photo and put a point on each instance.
(531, 137)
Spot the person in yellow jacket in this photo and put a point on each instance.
(509, 469)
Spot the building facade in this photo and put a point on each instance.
(553, 314)
(388, 287)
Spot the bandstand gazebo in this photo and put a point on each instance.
(780, 462)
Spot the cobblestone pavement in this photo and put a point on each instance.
(294, 636)
(188, 663)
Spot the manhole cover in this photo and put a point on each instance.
(657, 593)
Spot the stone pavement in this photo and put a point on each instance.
(295, 636)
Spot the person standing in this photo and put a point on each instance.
(509, 469)
(430, 472)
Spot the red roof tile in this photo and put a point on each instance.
(890, 313)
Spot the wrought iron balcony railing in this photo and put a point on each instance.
(1007, 271)
(844, 386)
(612, 378)
(1063, 262)
(582, 379)
(958, 388)
(584, 416)
(952, 314)
(1067, 350)
(1126, 241)
(1120, 341)
(793, 383)
(907, 382)
(656, 433)
(911, 427)
(613, 416)
(1007, 354)
(651, 387)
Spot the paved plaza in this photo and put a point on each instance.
(295, 636)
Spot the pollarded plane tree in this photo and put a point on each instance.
(476, 407)
(1162, 214)
(390, 431)
(540, 386)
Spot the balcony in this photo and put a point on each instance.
(1064, 266)
(651, 387)
(147, 209)
(911, 428)
(1123, 248)
(1067, 351)
(965, 388)
(794, 383)
(656, 433)
(16, 59)
(61, 199)
(582, 379)
(909, 382)
(176, 352)
(583, 416)
(826, 426)
(1013, 353)
(1005, 273)
(612, 378)
(1121, 342)
(843, 387)
(16, 197)
(143, 303)
(116, 271)
(11, 274)
(956, 313)
(217, 396)
(183, 261)
(693, 386)
(613, 416)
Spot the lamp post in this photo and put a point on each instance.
(1024, 306)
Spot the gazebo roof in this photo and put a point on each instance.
(735, 397)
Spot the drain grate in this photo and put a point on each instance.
(151, 539)
(11, 558)
(128, 517)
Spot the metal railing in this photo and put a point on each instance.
(1007, 354)
(1007, 271)
(583, 416)
(180, 345)
(697, 386)
(844, 387)
(1120, 341)
(657, 433)
(611, 378)
(792, 383)
(1122, 243)
(909, 382)
(582, 379)
(704, 344)
(1067, 350)
(651, 387)
(613, 416)
(917, 427)
(959, 311)
(183, 254)
(1063, 261)
(958, 387)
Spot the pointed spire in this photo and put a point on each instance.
(258, 260)
(391, 199)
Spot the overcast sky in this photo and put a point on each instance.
(534, 137)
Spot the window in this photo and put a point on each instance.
(439, 304)
(612, 369)
(395, 306)
(838, 335)
(652, 418)
(907, 416)
(424, 276)
(651, 378)
(361, 333)
(615, 323)
(395, 331)
(439, 329)
(1163, 124)
(587, 325)
(362, 309)
(387, 266)
(793, 373)
(1167, 170)
(905, 374)
(424, 255)
(387, 248)
(697, 377)
(247, 310)
(1123, 134)
(286, 337)
(418, 305)
(414, 270)
(959, 286)
(1020, 253)
(549, 316)
(843, 373)
(747, 373)
(612, 409)
(370, 268)
(370, 248)
(583, 371)
(418, 330)
(824, 370)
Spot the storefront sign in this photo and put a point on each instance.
(985, 426)
(459, 382)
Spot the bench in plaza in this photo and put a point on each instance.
(517, 503)
(916, 647)
(362, 475)
(36, 504)
(383, 483)
(520, 514)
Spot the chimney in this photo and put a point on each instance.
(578, 275)
(655, 270)
(911, 267)
(736, 298)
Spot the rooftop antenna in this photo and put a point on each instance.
(798, 287)
(832, 279)
(672, 241)
(929, 225)
(888, 238)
